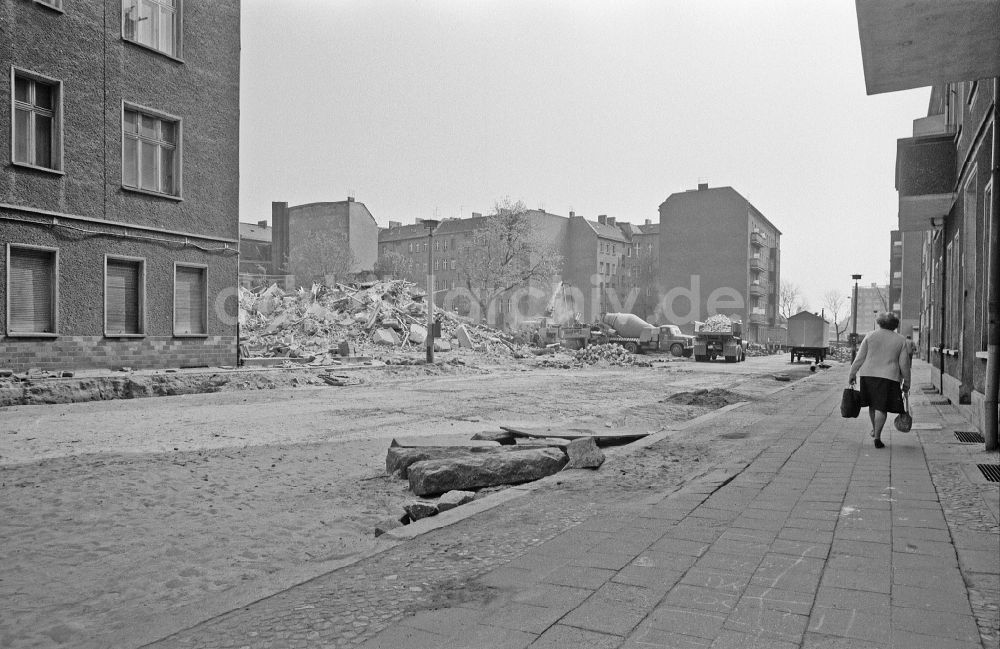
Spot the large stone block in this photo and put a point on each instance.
(399, 458)
(584, 454)
(431, 477)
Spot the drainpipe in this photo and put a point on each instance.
(993, 303)
(944, 301)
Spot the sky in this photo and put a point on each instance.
(440, 108)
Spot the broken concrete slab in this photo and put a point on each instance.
(474, 471)
(464, 339)
(418, 509)
(387, 337)
(417, 335)
(584, 454)
(453, 499)
(541, 442)
(399, 458)
(610, 438)
(502, 437)
(442, 346)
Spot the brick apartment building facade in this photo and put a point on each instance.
(310, 240)
(718, 254)
(905, 267)
(943, 176)
(119, 178)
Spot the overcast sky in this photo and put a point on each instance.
(438, 108)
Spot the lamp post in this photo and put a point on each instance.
(854, 326)
(430, 224)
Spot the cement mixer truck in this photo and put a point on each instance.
(638, 336)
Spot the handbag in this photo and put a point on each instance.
(904, 421)
(850, 403)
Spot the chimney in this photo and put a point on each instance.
(395, 224)
(611, 221)
(649, 222)
(261, 224)
(350, 199)
(702, 186)
(602, 219)
(477, 215)
(572, 214)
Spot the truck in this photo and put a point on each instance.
(637, 336)
(808, 336)
(709, 344)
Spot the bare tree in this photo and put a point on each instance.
(788, 298)
(835, 302)
(393, 264)
(508, 251)
(321, 255)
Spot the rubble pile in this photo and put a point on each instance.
(717, 323)
(612, 353)
(324, 323)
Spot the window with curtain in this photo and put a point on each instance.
(123, 284)
(190, 301)
(37, 128)
(31, 291)
(151, 152)
(153, 23)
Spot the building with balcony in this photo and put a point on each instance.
(718, 254)
(119, 184)
(947, 176)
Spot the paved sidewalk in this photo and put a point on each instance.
(816, 540)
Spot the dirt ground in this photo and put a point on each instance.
(126, 514)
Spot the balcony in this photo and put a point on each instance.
(758, 316)
(758, 287)
(925, 179)
(758, 263)
(757, 239)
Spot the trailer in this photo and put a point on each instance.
(808, 336)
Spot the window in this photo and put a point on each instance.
(37, 121)
(32, 290)
(453, 266)
(190, 305)
(151, 152)
(153, 23)
(123, 297)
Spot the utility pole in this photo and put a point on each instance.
(854, 318)
(430, 224)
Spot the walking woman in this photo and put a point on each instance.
(883, 362)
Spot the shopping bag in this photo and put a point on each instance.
(904, 421)
(850, 403)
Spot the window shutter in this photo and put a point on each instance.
(122, 297)
(32, 287)
(189, 301)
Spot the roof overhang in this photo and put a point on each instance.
(916, 43)
(926, 212)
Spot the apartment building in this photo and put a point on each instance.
(873, 299)
(905, 265)
(119, 196)
(947, 178)
(718, 255)
(403, 253)
(325, 241)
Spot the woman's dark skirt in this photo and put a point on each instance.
(882, 394)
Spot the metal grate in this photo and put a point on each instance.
(970, 437)
(991, 471)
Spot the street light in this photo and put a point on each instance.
(430, 224)
(854, 327)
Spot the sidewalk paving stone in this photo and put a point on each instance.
(819, 541)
